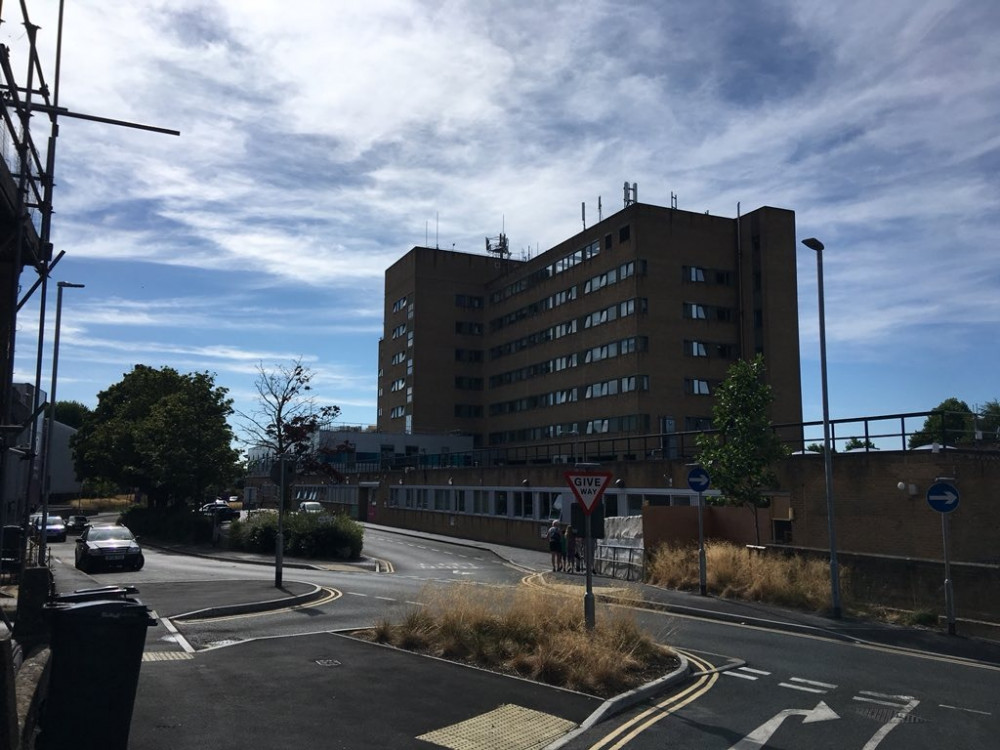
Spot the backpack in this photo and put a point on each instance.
(554, 534)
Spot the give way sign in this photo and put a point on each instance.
(588, 486)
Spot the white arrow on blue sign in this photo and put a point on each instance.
(698, 479)
(942, 497)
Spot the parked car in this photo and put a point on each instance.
(76, 524)
(108, 546)
(55, 529)
(222, 511)
(310, 507)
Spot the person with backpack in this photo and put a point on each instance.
(554, 535)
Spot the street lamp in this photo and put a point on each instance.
(814, 244)
(50, 421)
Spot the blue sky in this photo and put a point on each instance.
(321, 140)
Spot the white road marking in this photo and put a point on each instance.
(892, 723)
(736, 673)
(754, 671)
(967, 710)
(802, 688)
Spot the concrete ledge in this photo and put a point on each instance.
(242, 609)
(623, 702)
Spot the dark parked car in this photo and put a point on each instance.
(108, 546)
(222, 511)
(76, 524)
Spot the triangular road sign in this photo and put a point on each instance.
(588, 486)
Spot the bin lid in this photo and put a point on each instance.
(99, 592)
(108, 612)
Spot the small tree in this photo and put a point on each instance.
(950, 423)
(287, 420)
(71, 413)
(740, 452)
(854, 443)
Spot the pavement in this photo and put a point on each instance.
(333, 691)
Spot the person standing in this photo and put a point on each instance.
(554, 535)
(569, 547)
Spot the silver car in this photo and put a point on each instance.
(108, 546)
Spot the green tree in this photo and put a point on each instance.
(71, 413)
(856, 442)
(160, 432)
(950, 423)
(739, 453)
(287, 420)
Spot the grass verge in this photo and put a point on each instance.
(532, 633)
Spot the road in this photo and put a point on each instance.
(752, 688)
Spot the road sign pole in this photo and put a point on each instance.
(588, 597)
(949, 594)
(703, 583)
(279, 541)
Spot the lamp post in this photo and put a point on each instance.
(49, 423)
(814, 244)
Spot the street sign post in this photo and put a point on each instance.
(588, 487)
(943, 497)
(699, 481)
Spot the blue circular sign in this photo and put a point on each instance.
(698, 479)
(942, 497)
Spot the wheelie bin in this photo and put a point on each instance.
(96, 653)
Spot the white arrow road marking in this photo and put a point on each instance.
(893, 722)
(759, 737)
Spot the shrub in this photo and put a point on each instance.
(305, 535)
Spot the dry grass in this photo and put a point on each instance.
(735, 572)
(532, 633)
(91, 505)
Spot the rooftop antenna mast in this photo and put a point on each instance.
(599, 213)
(499, 246)
(631, 193)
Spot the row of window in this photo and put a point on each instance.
(631, 423)
(599, 317)
(468, 301)
(559, 266)
(708, 349)
(549, 303)
(698, 275)
(619, 310)
(399, 330)
(699, 387)
(399, 304)
(609, 350)
(570, 395)
(698, 311)
(468, 328)
(624, 271)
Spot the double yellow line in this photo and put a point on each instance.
(640, 723)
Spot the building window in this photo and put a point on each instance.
(500, 503)
(695, 349)
(697, 424)
(399, 304)
(468, 328)
(694, 274)
(468, 384)
(398, 384)
(398, 357)
(465, 300)
(697, 387)
(693, 311)
(624, 234)
(460, 501)
(399, 330)
(397, 412)
(409, 339)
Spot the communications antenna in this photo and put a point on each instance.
(631, 193)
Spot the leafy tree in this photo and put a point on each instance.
(950, 423)
(287, 420)
(855, 443)
(71, 413)
(160, 432)
(815, 448)
(739, 454)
